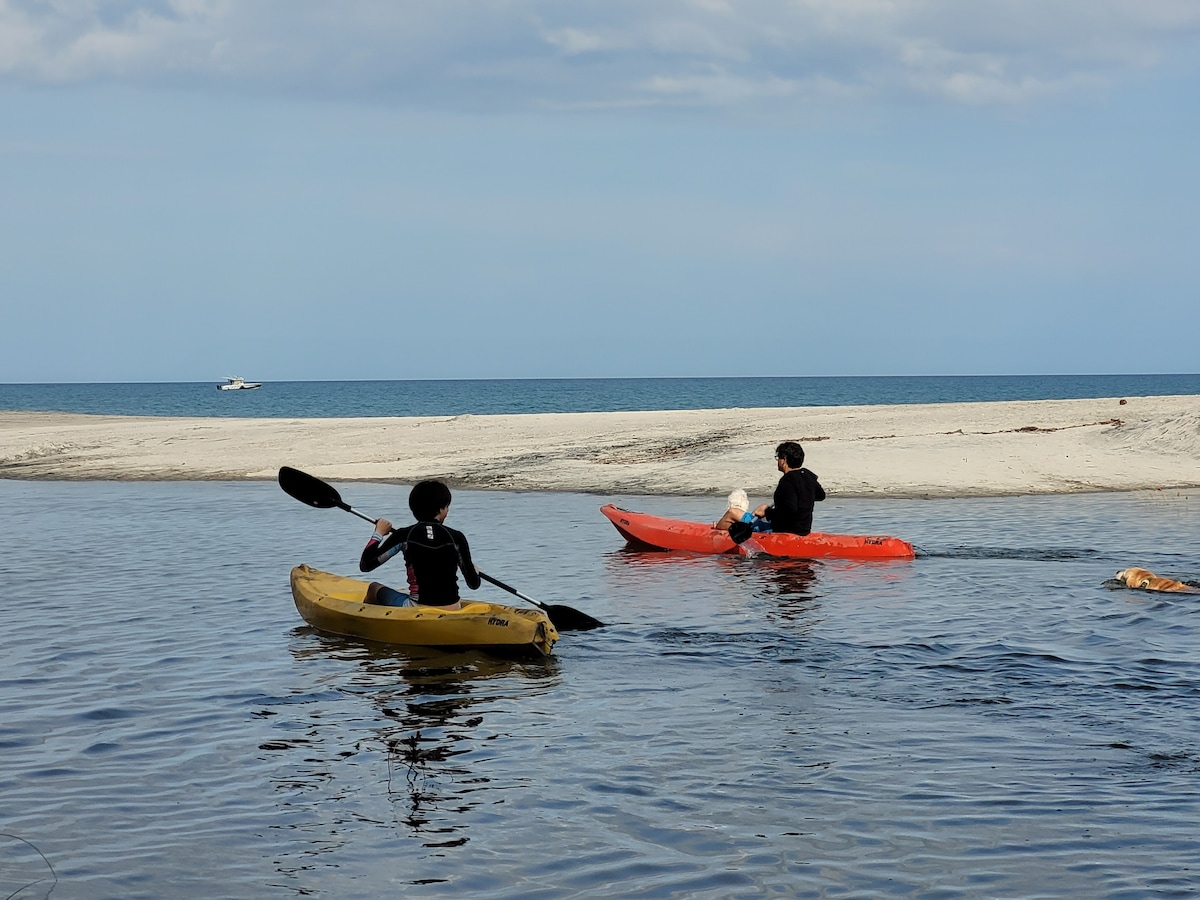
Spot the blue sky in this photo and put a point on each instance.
(294, 190)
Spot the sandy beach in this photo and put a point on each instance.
(932, 450)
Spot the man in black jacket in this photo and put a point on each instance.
(795, 494)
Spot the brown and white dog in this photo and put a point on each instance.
(1146, 580)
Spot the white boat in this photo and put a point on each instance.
(237, 383)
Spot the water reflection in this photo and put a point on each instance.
(423, 711)
(770, 576)
(786, 579)
(432, 717)
(781, 589)
(640, 556)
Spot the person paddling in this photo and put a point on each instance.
(433, 552)
(797, 491)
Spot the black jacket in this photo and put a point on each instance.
(434, 554)
(795, 495)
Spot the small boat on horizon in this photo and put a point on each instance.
(237, 383)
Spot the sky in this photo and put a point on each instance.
(394, 189)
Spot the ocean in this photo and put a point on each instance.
(337, 399)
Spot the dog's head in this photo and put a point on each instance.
(1135, 578)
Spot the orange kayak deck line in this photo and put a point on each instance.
(658, 533)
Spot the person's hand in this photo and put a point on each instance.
(760, 511)
(383, 526)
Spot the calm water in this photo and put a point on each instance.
(324, 399)
(989, 720)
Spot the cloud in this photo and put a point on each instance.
(529, 54)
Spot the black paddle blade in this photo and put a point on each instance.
(566, 618)
(310, 490)
(741, 532)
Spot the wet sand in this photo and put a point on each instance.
(929, 450)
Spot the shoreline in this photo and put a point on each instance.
(1004, 448)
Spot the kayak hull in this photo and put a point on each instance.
(659, 533)
(334, 604)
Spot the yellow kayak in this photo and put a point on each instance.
(334, 604)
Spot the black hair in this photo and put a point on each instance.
(792, 452)
(427, 499)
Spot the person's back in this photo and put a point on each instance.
(435, 552)
(797, 491)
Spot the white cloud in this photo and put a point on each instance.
(575, 41)
(526, 53)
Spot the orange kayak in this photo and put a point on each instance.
(657, 533)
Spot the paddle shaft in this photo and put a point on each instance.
(512, 590)
(362, 516)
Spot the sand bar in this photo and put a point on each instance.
(929, 450)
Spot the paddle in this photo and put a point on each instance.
(742, 532)
(316, 493)
(564, 617)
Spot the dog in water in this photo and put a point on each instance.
(1145, 580)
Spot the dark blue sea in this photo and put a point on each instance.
(337, 399)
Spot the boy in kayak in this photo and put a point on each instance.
(797, 491)
(432, 552)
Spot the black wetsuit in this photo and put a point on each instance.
(795, 495)
(434, 553)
